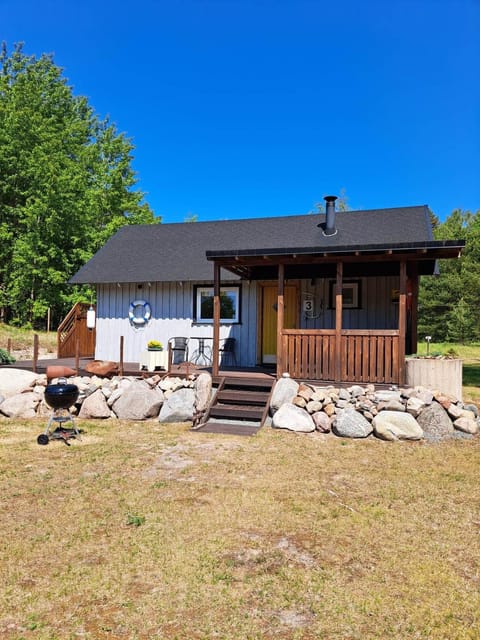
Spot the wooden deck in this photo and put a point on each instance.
(133, 368)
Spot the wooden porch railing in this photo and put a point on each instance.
(72, 331)
(309, 354)
(365, 355)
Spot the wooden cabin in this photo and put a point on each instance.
(325, 297)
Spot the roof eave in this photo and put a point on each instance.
(451, 247)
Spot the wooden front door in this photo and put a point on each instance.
(269, 319)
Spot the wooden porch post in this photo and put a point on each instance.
(216, 318)
(412, 293)
(280, 318)
(338, 321)
(402, 322)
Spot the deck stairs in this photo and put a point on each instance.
(239, 406)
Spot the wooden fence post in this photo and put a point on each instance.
(121, 356)
(35, 353)
(77, 356)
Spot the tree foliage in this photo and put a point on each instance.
(66, 184)
(449, 304)
(341, 203)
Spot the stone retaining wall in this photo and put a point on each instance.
(358, 411)
(412, 413)
(171, 399)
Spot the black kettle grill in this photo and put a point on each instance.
(60, 397)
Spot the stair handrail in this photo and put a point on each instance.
(67, 326)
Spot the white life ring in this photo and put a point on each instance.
(139, 312)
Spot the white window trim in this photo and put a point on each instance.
(198, 307)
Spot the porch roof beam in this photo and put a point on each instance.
(237, 263)
(242, 265)
(434, 249)
(253, 261)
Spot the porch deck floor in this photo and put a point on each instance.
(133, 368)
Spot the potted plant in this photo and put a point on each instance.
(154, 345)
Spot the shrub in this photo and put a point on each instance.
(5, 357)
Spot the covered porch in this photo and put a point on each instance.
(339, 354)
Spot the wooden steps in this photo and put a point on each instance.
(229, 428)
(240, 412)
(240, 405)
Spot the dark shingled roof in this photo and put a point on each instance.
(177, 252)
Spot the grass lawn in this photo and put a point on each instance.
(22, 340)
(149, 531)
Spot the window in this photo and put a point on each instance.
(351, 293)
(229, 304)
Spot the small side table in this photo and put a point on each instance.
(152, 360)
(203, 354)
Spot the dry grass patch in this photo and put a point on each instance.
(151, 531)
(21, 341)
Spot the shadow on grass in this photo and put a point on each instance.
(471, 374)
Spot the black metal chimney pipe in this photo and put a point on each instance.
(330, 215)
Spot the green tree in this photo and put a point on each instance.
(66, 184)
(460, 323)
(341, 204)
(449, 303)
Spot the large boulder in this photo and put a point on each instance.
(473, 408)
(95, 406)
(435, 423)
(119, 390)
(138, 401)
(387, 395)
(102, 368)
(284, 391)
(394, 405)
(466, 423)
(13, 381)
(293, 418)
(203, 392)
(179, 407)
(454, 411)
(21, 405)
(415, 406)
(352, 424)
(395, 425)
(322, 422)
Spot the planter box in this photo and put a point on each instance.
(435, 373)
(152, 359)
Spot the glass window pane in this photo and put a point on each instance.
(229, 304)
(206, 305)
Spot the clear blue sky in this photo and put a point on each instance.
(247, 108)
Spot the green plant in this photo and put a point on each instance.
(5, 357)
(155, 344)
(451, 353)
(135, 520)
